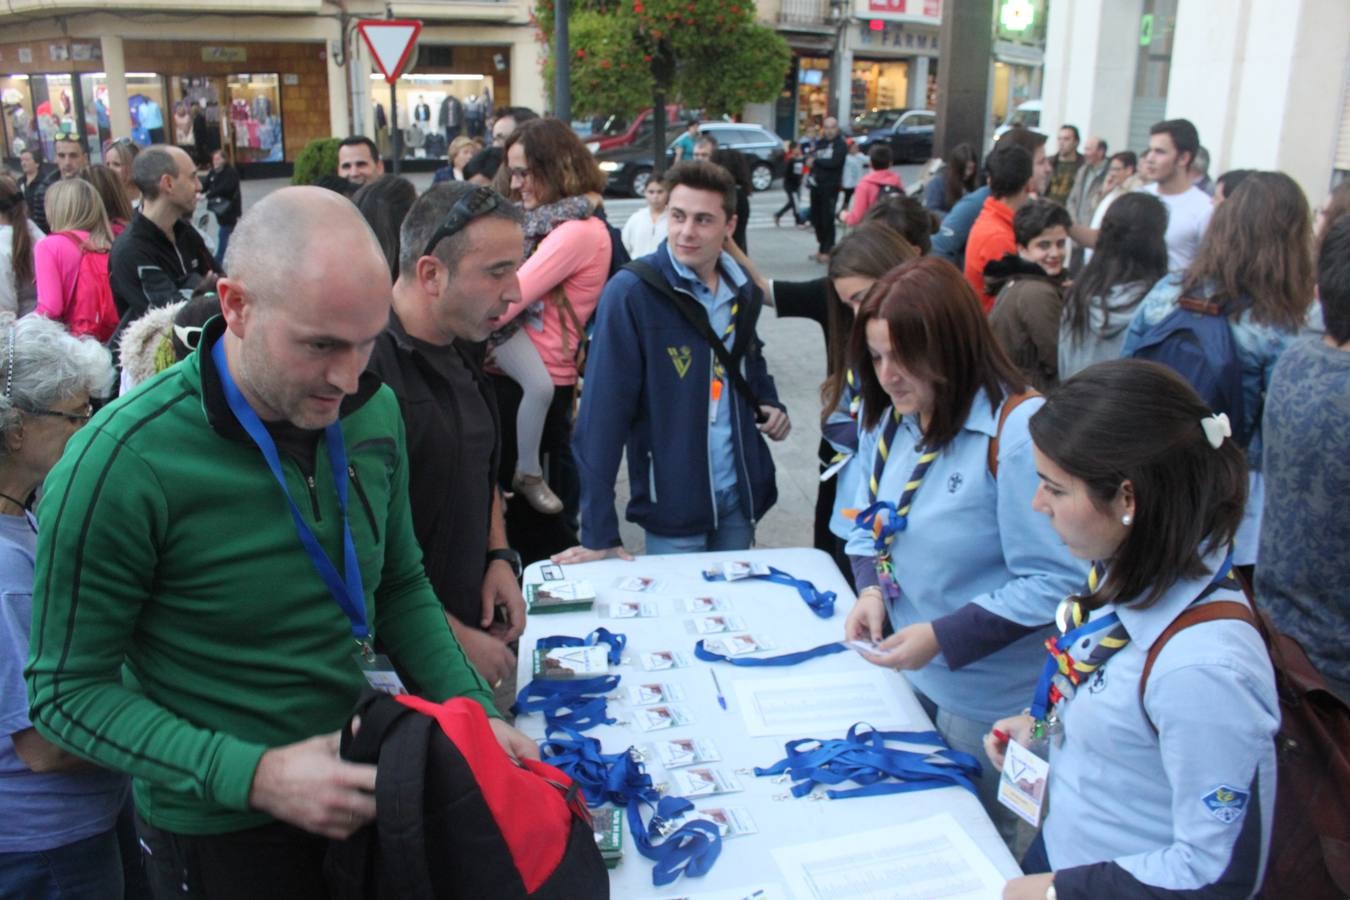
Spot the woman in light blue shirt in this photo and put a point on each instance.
(1162, 784)
(959, 565)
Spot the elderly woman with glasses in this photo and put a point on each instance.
(61, 814)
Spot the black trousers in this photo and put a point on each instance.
(271, 862)
(791, 189)
(823, 201)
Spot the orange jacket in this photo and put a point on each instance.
(991, 237)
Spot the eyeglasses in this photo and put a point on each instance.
(78, 418)
(479, 201)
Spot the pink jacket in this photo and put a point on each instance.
(56, 264)
(867, 192)
(575, 255)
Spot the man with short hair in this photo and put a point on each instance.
(506, 124)
(684, 145)
(160, 258)
(1172, 145)
(71, 159)
(950, 240)
(359, 160)
(1120, 170)
(700, 475)
(1011, 178)
(1087, 191)
(705, 147)
(37, 177)
(1200, 172)
(194, 538)
(826, 180)
(1064, 165)
(222, 189)
(453, 284)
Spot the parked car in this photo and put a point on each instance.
(1027, 114)
(910, 135)
(629, 168)
(618, 132)
(866, 122)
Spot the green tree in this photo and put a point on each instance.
(630, 54)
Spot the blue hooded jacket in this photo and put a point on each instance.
(648, 380)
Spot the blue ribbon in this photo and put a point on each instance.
(348, 592)
(577, 703)
(820, 602)
(864, 758)
(786, 659)
(619, 778)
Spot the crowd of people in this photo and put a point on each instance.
(404, 393)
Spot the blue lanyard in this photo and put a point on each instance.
(577, 703)
(786, 659)
(820, 602)
(863, 758)
(615, 641)
(348, 593)
(619, 778)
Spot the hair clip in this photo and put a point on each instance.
(1216, 428)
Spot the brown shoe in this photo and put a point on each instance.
(534, 489)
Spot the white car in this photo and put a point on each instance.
(1027, 114)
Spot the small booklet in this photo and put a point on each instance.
(559, 596)
(607, 825)
(571, 662)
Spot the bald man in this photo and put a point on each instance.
(174, 543)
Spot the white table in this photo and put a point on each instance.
(778, 613)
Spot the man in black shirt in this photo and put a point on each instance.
(461, 246)
(160, 258)
(827, 179)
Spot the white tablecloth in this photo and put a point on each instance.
(779, 614)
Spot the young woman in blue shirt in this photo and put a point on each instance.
(961, 568)
(1173, 795)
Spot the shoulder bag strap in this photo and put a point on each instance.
(1194, 615)
(695, 315)
(1013, 401)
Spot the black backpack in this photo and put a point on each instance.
(458, 818)
(887, 190)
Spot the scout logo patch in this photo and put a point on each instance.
(1226, 803)
(681, 357)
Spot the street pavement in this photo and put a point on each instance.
(794, 348)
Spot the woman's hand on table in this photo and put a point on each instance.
(912, 647)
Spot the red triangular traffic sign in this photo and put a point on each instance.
(390, 41)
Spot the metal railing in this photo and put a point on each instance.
(804, 12)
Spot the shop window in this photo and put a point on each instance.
(17, 123)
(433, 110)
(145, 102)
(255, 118)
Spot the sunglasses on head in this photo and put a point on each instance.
(469, 207)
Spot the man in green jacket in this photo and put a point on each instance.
(206, 603)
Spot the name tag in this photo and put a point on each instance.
(1022, 785)
(379, 673)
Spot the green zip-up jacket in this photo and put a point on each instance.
(180, 629)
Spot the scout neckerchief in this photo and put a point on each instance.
(347, 591)
(1085, 645)
(886, 519)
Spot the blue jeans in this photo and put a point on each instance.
(734, 531)
(222, 243)
(88, 869)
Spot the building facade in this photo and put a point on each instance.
(1266, 82)
(258, 79)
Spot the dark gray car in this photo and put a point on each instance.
(629, 168)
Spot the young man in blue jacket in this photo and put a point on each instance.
(700, 473)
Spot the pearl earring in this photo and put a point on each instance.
(1127, 519)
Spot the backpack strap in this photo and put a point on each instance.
(1200, 305)
(695, 315)
(1012, 402)
(1217, 611)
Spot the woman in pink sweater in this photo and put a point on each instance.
(557, 182)
(880, 181)
(80, 229)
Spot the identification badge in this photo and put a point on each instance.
(703, 782)
(657, 718)
(717, 624)
(1021, 787)
(704, 604)
(379, 673)
(660, 660)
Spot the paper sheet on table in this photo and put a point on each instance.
(758, 892)
(922, 860)
(821, 706)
